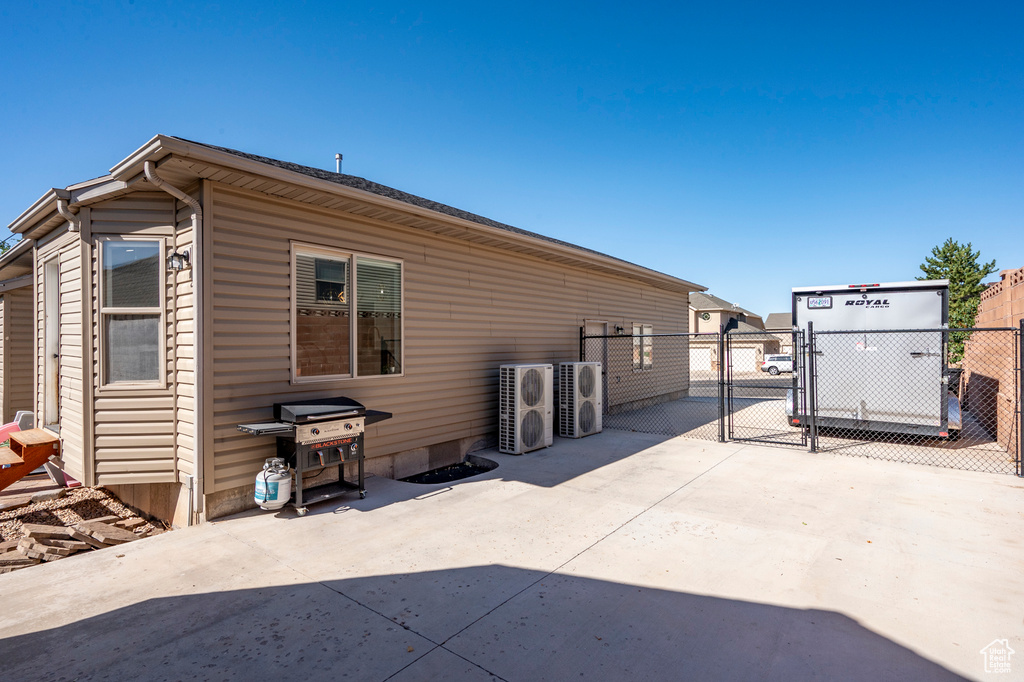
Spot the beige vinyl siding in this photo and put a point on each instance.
(19, 384)
(72, 409)
(467, 309)
(182, 349)
(134, 427)
(66, 248)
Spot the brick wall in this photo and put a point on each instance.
(989, 385)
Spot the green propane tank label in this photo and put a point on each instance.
(266, 491)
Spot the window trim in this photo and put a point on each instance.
(161, 309)
(644, 339)
(297, 247)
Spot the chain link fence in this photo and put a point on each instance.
(890, 395)
(667, 384)
(894, 395)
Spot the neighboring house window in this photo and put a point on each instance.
(329, 340)
(131, 311)
(643, 346)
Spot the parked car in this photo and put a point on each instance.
(773, 364)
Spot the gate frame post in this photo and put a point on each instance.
(583, 357)
(1020, 399)
(721, 383)
(812, 403)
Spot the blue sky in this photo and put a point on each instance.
(750, 148)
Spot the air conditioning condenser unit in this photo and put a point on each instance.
(526, 408)
(580, 401)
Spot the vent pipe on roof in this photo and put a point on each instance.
(65, 212)
(337, 159)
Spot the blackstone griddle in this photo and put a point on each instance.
(318, 433)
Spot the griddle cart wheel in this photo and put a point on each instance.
(301, 511)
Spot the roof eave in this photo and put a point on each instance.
(44, 206)
(161, 146)
(12, 254)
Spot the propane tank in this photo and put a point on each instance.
(274, 484)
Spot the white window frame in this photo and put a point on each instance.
(160, 309)
(641, 336)
(352, 298)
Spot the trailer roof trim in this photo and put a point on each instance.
(916, 284)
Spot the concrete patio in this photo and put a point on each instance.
(622, 556)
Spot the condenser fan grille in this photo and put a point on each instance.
(532, 428)
(588, 417)
(532, 387)
(586, 381)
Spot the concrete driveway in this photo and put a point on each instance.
(617, 557)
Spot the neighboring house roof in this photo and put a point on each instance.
(182, 161)
(783, 321)
(749, 331)
(704, 301)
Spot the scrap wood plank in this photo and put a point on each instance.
(42, 530)
(76, 534)
(35, 551)
(112, 518)
(73, 545)
(16, 558)
(104, 532)
(29, 544)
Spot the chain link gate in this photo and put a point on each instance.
(892, 394)
(942, 397)
(759, 405)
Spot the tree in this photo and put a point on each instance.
(959, 264)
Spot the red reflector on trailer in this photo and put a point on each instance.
(944, 434)
(861, 286)
(796, 421)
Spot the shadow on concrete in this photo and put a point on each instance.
(552, 627)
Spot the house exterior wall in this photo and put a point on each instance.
(17, 338)
(712, 326)
(468, 308)
(135, 438)
(65, 249)
(116, 436)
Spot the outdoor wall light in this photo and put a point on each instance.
(619, 330)
(179, 261)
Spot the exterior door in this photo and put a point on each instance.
(51, 344)
(597, 351)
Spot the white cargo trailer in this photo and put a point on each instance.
(890, 374)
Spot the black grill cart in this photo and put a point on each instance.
(315, 434)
